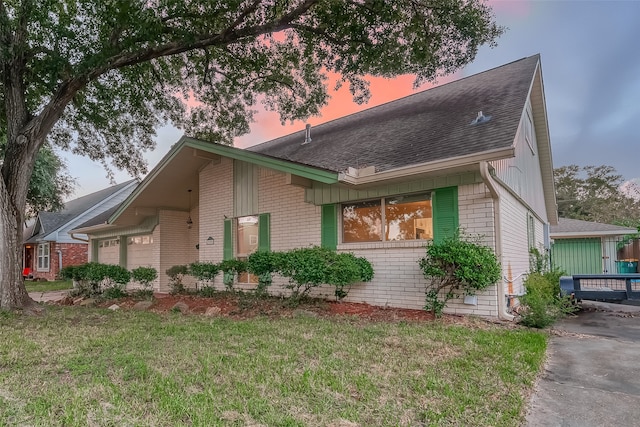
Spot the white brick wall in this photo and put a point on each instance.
(177, 243)
(398, 280)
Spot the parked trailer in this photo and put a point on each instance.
(612, 287)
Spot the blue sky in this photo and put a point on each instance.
(591, 70)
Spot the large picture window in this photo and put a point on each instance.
(390, 219)
(43, 257)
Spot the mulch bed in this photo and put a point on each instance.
(239, 307)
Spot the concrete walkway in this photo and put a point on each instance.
(592, 375)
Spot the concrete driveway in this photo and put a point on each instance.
(592, 375)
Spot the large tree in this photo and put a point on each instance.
(98, 77)
(594, 193)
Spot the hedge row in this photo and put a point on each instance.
(305, 269)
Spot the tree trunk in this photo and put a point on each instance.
(13, 294)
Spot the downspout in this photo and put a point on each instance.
(495, 195)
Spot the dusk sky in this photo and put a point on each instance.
(591, 72)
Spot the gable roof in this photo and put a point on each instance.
(429, 126)
(577, 228)
(50, 222)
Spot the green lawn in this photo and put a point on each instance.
(57, 285)
(77, 366)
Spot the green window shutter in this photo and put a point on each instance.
(227, 242)
(329, 227)
(445, 213)
(264, 232)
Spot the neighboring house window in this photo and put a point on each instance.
(43, 257)
(528, 131)
(392, 218)
(108, 243)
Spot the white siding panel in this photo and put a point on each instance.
(522, 174)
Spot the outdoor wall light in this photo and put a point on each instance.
(210, 240)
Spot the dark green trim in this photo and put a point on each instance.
(329, 227)
(264, 232)
(227, 240)
(445, 213)
(316, 174)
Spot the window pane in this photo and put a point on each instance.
(247, 235)
(408, 217)
(362, 222)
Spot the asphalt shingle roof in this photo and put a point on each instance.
(428, 126)
(51, 221)
(566, 225)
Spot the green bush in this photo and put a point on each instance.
(230, 268)
(263, 264)
(307, 268)
(204, 272)
(144, 276)
(543, 304)
(458, 264)
(98, 280)
(176, 274)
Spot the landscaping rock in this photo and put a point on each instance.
(213, 311)
(78, 300)
(114, 307)
(143, 305)
(181, 306)
(89, 302)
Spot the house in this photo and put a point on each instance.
(380, 183)
(584, 247)
(49, 243)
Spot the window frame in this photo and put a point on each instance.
(45, 258)
(383, 219)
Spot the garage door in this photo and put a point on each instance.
(139, 251)
(109, 251)
(577, 256)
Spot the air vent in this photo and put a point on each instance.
(481, 118)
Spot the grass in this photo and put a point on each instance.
(76, 366)
(57, 285)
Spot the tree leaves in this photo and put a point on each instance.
(592, 193)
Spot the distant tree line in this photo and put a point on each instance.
(596, 193)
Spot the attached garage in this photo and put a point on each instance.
(109, 251)
(140, 251)
(583, 247)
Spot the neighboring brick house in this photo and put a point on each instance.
(381, 183)
(48, 242)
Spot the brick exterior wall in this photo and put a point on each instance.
(398, 280)
(72, 254)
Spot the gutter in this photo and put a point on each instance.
(435, 166)
(495, 195)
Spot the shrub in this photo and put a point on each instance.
(344, 269)
(543, 304)
(176, 274)
(230, 268)
(98, 280)
(204, 272)
(457, 264)
(263, 264)
(144, 276)
(307, 268)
